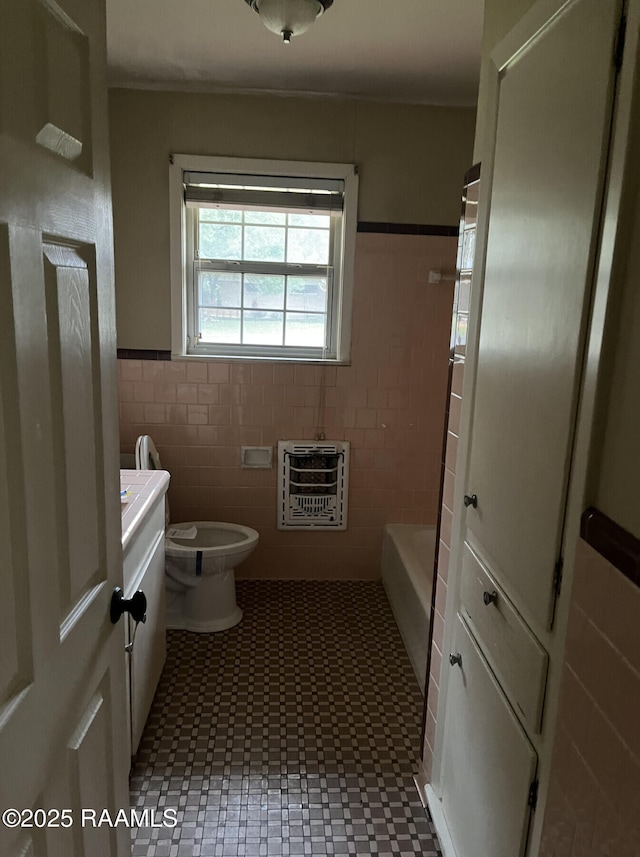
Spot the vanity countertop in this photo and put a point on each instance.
(143, 488)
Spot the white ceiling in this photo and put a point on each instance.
(415, 51)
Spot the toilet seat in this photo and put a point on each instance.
(146, 454)
(147, 458)
(213, 538)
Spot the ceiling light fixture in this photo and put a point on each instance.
(289, 18)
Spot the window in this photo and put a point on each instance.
(265, 262)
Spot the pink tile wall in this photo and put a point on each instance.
(389, 403)
(593, 806)
(461, 307)
(446, 518)
(446, 513)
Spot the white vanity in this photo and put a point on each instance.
(143, 526)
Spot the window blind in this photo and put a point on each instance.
(285, 193)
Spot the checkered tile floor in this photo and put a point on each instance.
(294, 733)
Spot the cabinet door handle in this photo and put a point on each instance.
(490, 597)
(471, 500)
(455, 659)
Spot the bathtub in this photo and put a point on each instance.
(407, 575)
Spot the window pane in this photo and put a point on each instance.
(262, 291)
(310, 246)
(220, 325)
(220, 241)
(307, 293)
(263, 328)
(267, 217)
(220, 215)
(219, 289)
(318, 220)
(264, 243)
(305, 329)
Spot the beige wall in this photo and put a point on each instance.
(412, 160)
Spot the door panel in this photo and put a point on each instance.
(489, 763)
(89, 747)
(62, 662)
(64, 114)
(16, 662)
(71, 331)
(553, 121)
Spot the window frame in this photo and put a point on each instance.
(184, 263)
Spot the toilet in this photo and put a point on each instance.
(199, 566)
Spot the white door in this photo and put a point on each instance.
(553, 118)
(62, 687)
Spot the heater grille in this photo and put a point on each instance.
(312, 485)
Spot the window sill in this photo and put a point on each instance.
(252, 358)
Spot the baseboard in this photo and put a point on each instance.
(421, 781)
(434, 805)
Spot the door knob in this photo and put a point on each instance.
(490, 597)
(136, 606)
(471, 500)
(455, 659)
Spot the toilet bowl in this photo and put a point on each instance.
(201, 594)
(199, 568)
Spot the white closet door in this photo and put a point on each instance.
(489, 763)
(554, 111)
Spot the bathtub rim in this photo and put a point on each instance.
(412, 562)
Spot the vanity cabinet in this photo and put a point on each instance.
(143, 522)
(146, 658)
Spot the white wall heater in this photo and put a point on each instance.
(313, 483)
